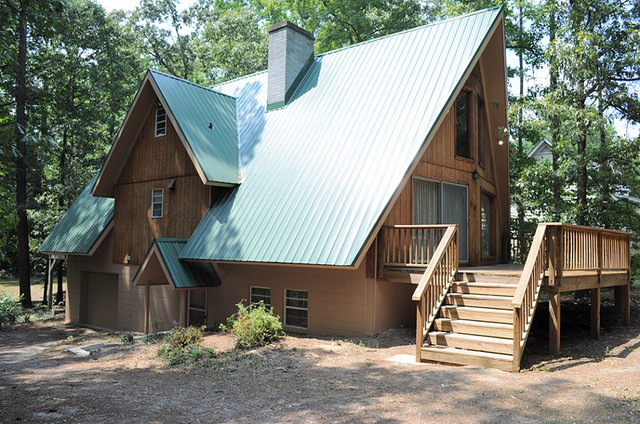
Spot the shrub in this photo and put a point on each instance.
(254, 325)
(184, 346)
(126, 339)
(9, 310)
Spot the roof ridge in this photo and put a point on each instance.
(171, 239)
(155, 71)
(466, 15)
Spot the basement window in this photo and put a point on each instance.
(157, 195)
(259, 294)
(296, 308)
(161, 122)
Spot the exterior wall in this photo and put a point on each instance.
(152, 164)
(342, 302)
(440, 163)
(165, 302)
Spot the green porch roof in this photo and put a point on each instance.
(183, 274)
(320, 173)
(81, 226)
(195, 109)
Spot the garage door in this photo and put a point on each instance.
(101, 299)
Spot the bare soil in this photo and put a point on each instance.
(310, 379)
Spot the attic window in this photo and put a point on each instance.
(463, 124)
(161, 122)
(157, 195)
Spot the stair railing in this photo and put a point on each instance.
(525, 298)
(435, 283)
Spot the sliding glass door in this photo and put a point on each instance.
(439, 202)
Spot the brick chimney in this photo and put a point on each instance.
(290, 56)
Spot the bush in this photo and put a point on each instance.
(126, 339)
(254, 325)
(184, 346)
(9, 310)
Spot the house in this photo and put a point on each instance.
(279, 186)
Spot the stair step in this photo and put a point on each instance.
(470, 342)
(473, 276)
(467, 357)
(478, 300)
(478, 328)
(477, 314)
(496, 289)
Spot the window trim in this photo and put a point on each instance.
(269, 305)
(162, 122)
(470, 123)
(153, 202)
(285, 307)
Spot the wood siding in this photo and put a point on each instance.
(440, 163)
(153, 163)
(341, 302)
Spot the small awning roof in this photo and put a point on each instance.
(162, 265)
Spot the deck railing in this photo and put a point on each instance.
(410, 245)
(558, 248)
(435, 284)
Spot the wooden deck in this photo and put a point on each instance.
(482, 315)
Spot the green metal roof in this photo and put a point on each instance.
(194, 109)
(81, 226)
(319, 174)
(183, 274)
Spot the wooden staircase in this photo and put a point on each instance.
(475, 323)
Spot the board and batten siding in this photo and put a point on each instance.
(342, 302)
(440, 163)
(153, 163)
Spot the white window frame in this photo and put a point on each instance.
(267, 304)
(286, 307)
(154, 202)
(161, 122)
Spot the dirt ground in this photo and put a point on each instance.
(307, 379)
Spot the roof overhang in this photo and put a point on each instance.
(162, 266)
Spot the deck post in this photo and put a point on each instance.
(595, 312)
(623, 302)
(554, 323)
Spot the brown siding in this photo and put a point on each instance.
(439, 162)
(152, 164)
(341, 301)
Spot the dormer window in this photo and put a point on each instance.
(157, 197)
(161, 122)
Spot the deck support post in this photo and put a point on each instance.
(554, 323)
(623, 302)
(595, 312)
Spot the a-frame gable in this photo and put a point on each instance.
(204, 120)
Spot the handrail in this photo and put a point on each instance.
(410, 245)
(435, 283)
(527, 291)
(556, 249)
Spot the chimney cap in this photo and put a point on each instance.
(287, 24)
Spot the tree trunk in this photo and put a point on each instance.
(519, 206)
(556, 186)
(24, 267)
(581, 195)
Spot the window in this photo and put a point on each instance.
(296, 308)
(486, 227)
(483, 133)
(157, 195)
(261, 294)
(161, 122)
(463, 119)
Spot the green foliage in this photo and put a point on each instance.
(184, 346)
(10, 310)
(253, 326)
(126, 339)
